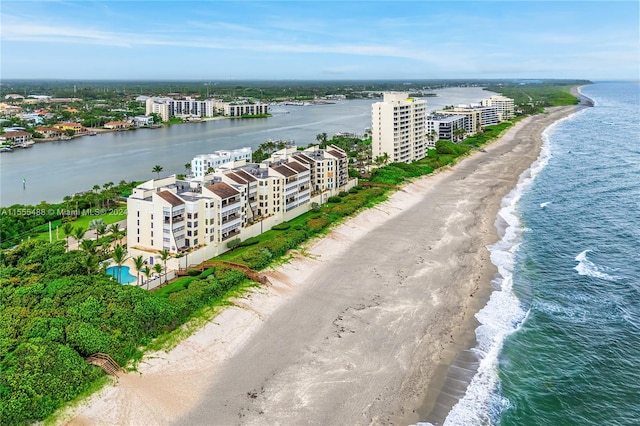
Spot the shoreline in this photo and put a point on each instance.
(305, 370)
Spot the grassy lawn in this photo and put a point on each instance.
(81, 221)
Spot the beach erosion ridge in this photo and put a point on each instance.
(360, 327)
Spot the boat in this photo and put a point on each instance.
(93, 133)
(6, 149)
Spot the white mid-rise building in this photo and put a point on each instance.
(398, 126)
(202, 164)
(504, 106)
(444, 126)
(189, 107)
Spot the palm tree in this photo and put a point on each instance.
(91, 263)
(432, 136)
(158, 268)
(187, 167)
(164, 255)
(119, 256)
(321, 138)
(115, 231)
(67, 199)
(157, 169)
(67, 228)
(147, 272)
(138, 261)
(89, 246)
(458, 133)
(98, 225)
(78, 234)
(76, 198)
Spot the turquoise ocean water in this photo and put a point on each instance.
(560, 337)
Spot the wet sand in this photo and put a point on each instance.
(359, 328)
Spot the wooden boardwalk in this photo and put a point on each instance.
(105, 362)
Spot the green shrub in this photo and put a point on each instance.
(281, 226)
(334, 199)
(342, 194)
(250, 241)
(231, 244)
(207, 272)
(193, 272)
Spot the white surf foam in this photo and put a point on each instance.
(590, 269)
(503, 314)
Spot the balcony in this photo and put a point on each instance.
(230, 201)
(231, 234)
(230, 217)
(174, 219)
(232, 208)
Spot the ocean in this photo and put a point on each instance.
(559, 340)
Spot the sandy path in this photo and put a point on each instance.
(355, 331)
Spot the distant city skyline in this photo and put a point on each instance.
(329, 40)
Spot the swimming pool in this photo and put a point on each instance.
(125, 276)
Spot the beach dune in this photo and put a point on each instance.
(359, 328)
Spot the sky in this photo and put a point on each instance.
(319, 40)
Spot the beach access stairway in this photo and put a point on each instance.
(105, 362)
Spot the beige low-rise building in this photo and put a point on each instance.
(237, 200)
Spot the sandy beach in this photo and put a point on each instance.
(358, 328)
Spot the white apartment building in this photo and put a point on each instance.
(399, 127)
(212, 209)
(472, 118)
(328, 168)
(158, 107)
(189, 107)
(171, 214)
(505, 106)
(237, 109)
(443, 126)
(201, 164)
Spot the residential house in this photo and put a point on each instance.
(117, 125)
(50, 132)
(77, 128)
